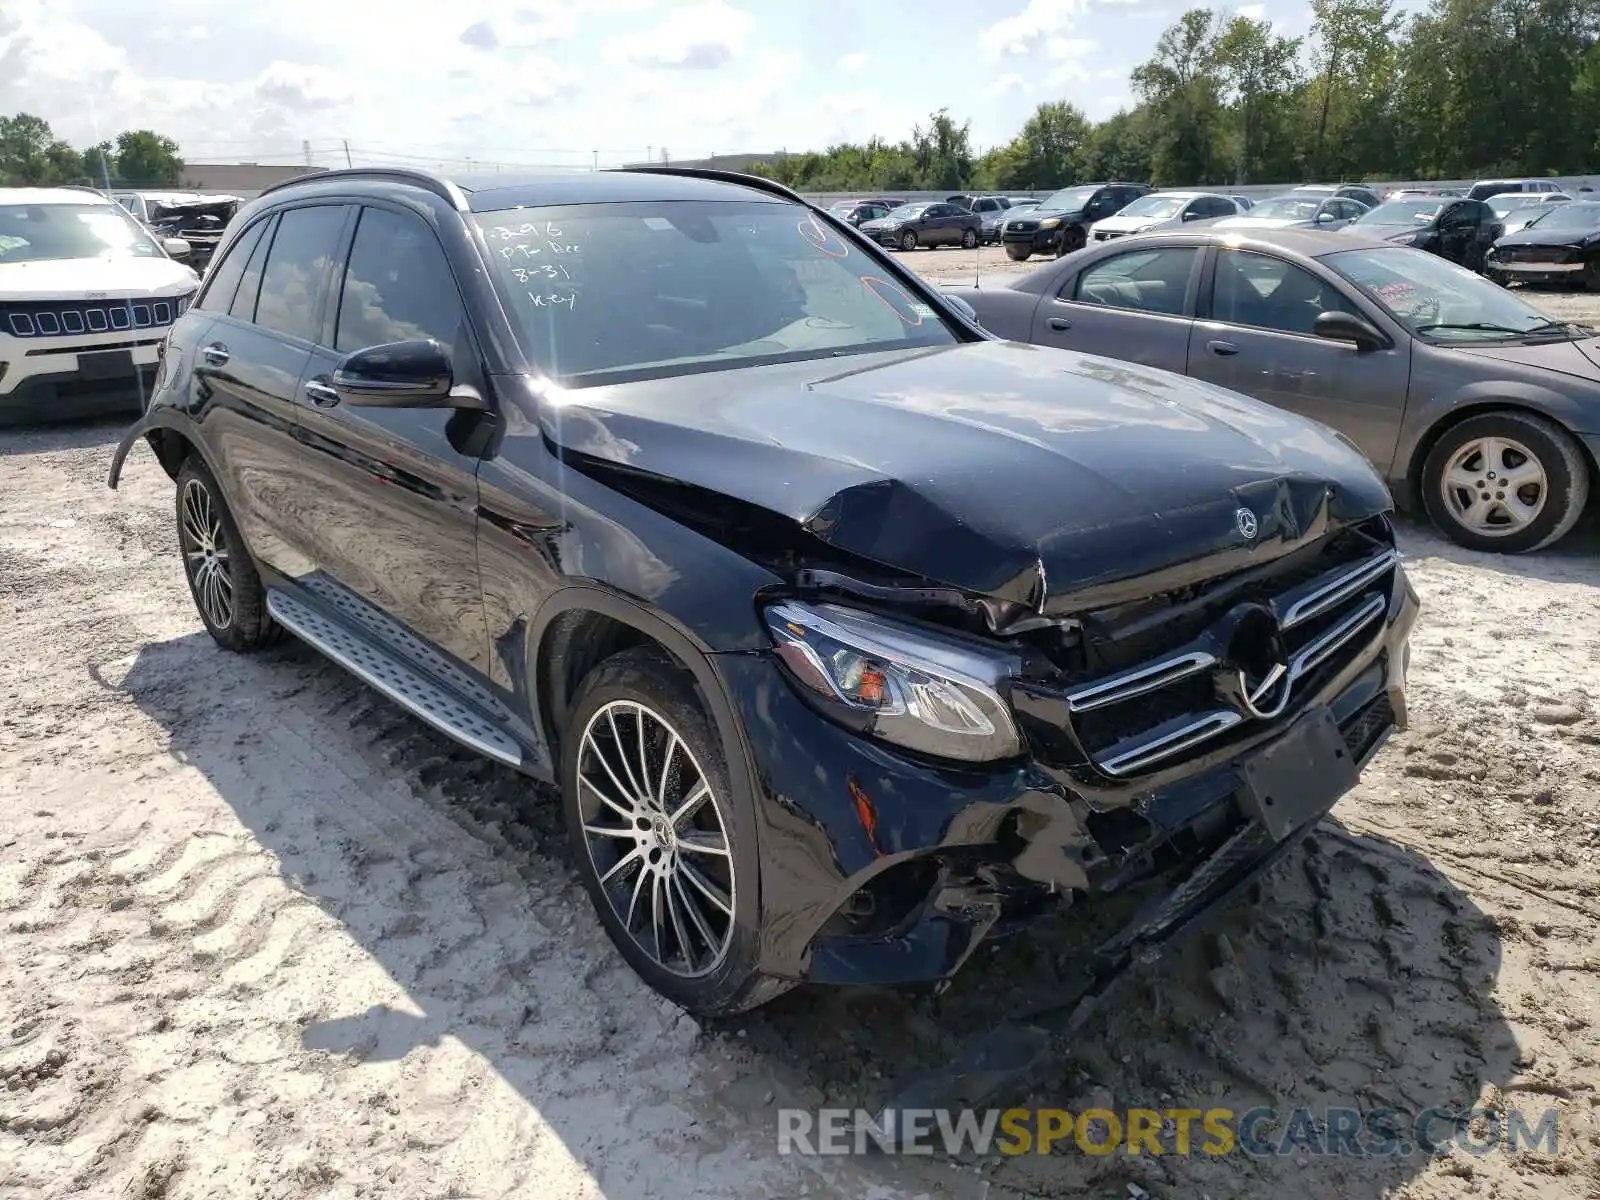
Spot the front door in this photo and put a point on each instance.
(1131, 305)
(1254, 335)
(392, 492)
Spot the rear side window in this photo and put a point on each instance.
(244, 301)
(222, 280)
(1153, 281)
(398, 285)
(298, 265)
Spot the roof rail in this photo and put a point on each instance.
(442, 188)
(81, 187)
(758, 183)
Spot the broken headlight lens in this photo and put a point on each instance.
(908, 686)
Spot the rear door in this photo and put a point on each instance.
(394, 522)
(248, 375)
(1132, 305)
(1254, 335)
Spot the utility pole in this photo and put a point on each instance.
(347, 161)
(647, 150)
(305, 148)
(596, 154)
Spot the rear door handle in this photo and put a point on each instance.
(215, 354)
(1222, 349)
(1061, 324)
(322, 394)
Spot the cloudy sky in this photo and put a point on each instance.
(540, 82)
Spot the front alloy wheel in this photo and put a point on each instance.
(656, 838)
(663, 841)
(908, 240)
(1507, 482)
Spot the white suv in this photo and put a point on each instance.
(86, 298)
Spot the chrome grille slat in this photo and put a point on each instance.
(1139, 680)
(54, 318)
(1325, 595)
(1294, 608)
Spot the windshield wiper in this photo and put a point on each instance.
(1577, 329)
(1481, 327)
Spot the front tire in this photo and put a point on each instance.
(223, 581)
(1018, 253)
(1072, 238)
(663, 844)
(908, 240)
(1591, 275)
(1506, 482)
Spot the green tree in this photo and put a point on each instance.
(146, 159)
(1048, 153)
(1120, 147)
(1182, 87)
(1260, 71)
(100, 164)
(1352, 94)
(31, 155)
(942, 152)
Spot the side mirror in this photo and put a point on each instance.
(966, 309)
(411, 374)
(1192, 215)
(176, 247)
(1324, 218)
(1346, 327)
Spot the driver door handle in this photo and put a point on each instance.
(1060, 324)
(1222, 349)
(322, 394)
(216, 354)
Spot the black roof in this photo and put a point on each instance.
(488, 193)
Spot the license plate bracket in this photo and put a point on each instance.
(1300, 776)
(106, 364)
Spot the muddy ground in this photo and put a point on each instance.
(263, 934)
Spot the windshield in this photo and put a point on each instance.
(606, 293)
(1286, 208)
(907, 211)
(1068, 199)
(1433, 297)
(1401, 212)
(1508, 202)
(1578, 215)
(42, 232)
(1155, 206)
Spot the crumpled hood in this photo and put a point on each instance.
(1019, 472)
(77, 278)
(1548, 237)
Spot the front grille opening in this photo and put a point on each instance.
(1184, 694)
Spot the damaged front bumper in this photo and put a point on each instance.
(880, 868)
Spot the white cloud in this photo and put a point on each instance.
(1009, 82)
(1253, 12)
(853, 63)
(1070, 71)
(1065, 47)
(1039, 20)
(699, 37)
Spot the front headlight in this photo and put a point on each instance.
(908, 686)
(1049, 222)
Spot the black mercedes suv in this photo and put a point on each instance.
(850, 635)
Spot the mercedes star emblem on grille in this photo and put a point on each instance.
(1246, 520)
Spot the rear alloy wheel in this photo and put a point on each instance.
(908, 240)
(969, 239)
(227, 591)
(663, 845)
(1505, 482)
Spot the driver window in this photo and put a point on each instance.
(398, 285)
(1269, 293)
(1153, 281)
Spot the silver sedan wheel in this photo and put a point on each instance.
(205, 554)
(657, 838)
(1494, 486)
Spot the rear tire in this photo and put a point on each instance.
(1591, 275)
(1072, 238)
(1470, 483)
(638, 749)
(222, 576)
(969, 239)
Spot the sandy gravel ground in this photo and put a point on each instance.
(263, 934)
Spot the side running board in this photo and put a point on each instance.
(401, 683)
